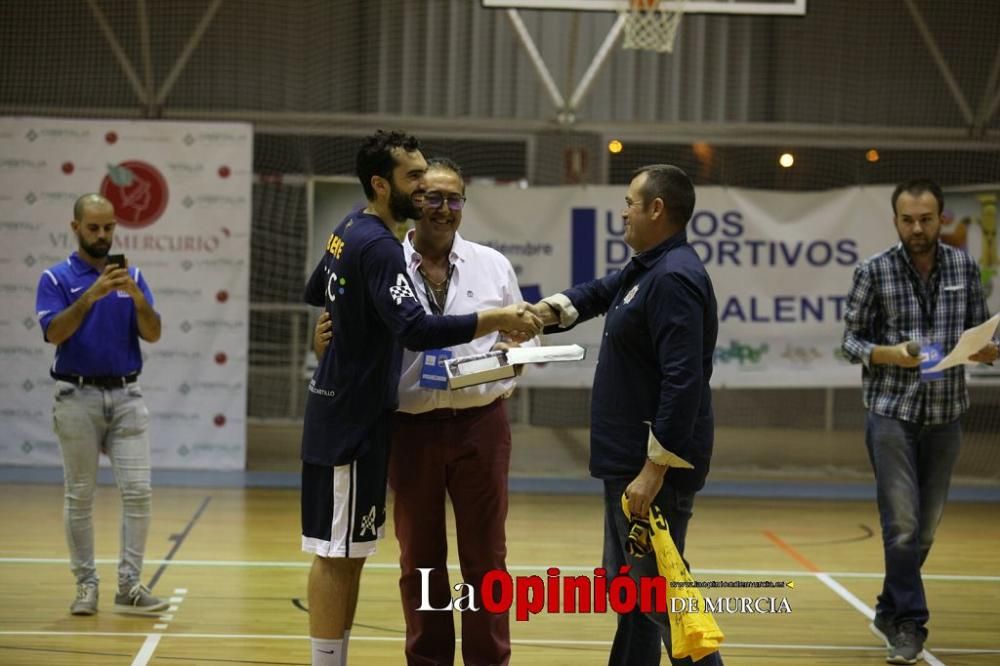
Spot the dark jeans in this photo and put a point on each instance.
(912, 465)
(639, 635)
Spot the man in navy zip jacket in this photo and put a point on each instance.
(651, 405)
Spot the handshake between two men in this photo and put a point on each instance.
(520, 322)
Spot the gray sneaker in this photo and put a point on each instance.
(86, 599)
(907, 644)
(138, 601)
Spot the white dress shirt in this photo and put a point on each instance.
(482, 278)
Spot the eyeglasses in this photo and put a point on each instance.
(435, 199)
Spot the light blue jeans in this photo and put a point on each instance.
(89, 420)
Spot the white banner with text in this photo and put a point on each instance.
(182, 197)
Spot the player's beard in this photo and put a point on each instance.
(98, 250)
(400, 205)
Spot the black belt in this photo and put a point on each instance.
(104, 382)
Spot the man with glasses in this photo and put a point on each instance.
(454, 443)
(451, 442)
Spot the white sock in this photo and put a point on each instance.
(327, 652)
(347, 636)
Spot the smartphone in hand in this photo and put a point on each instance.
(117, 260)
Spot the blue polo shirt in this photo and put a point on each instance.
(362, 282)
(655, 362)
(107, 342)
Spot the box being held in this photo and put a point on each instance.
(495, 365)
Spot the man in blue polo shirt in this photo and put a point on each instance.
(362, 282)
(95, 312)
(651, 405)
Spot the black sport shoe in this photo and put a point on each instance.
(907, 644)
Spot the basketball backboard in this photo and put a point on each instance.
(758, 7)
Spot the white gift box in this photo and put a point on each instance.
(495, 365)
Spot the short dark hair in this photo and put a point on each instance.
(449, 165)
(916, 187)
(672, 185)
(376, 159)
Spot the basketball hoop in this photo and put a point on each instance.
(650, 27)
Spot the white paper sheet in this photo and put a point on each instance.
(971, 341)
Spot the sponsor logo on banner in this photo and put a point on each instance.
(138, 192)
(177, 293)
(214, 200)
(801, 355)
(175, 416)
(15, 164)
(57, 134)
(30, 446)
(164, 243)
(212, 325)
(33, 415)
(44, 259)
(227, 387)
(215, 138)
(740, 353)
(10, 351)
(208, 448)
(186, 168)
(175, 354)
(28, 386)
(56, 198)
(16, 289)
(154, 138)
(229, 262)
(13, 225)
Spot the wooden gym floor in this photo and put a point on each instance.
(229, 559)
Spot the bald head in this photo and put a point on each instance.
(90, 202)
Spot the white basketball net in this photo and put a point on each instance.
(652, 28)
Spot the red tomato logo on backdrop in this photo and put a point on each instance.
(138, 192)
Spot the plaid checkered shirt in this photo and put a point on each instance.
(889, 304)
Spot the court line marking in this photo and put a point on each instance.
(837, 588)
(152, 640)
(178, 540)
(146, 651)
(518, 641)
(272, 564)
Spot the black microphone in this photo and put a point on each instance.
(913, 348)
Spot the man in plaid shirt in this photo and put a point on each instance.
(918, 290)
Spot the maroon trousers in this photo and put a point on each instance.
(466, 454)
